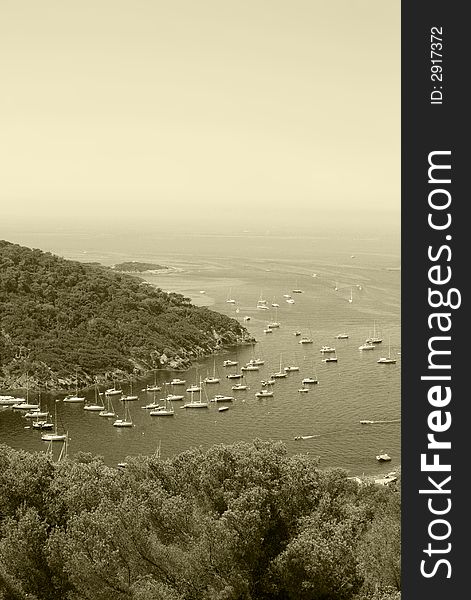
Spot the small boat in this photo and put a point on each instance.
(222, 398)
(327, 350)
(71, 398)
(297, 333)
(309, 380)
(211, 380)
(177, 381)
(196, 403)
(126, 421)
(304, 437)
(230, 363)
(303, 390)
(151, 406)
(342, 336)
(383, 457)
(193, 388)
(235, 376)
(256, 361)
(42, 424)
(273, 325)
(250, 367)
(55, 436)
(152, 388)
(25, 406)
(366, 422)
(239, 387)
(262, 307)
(306, 340)
(223, 408)
(268, 330)
(174, 397)
(230, 299)
(366, 346)
(246, 318)
(275, 305)
(129, 398)
(264, 394)
(374, 339)
(109, 410)
(202, 291)
(163, 411)
(10, 400)
(291, 368)
(387, 360)
(268, 382)
(330, 359)
(286, 295)
(98, 405)
(290, 301)
(36, 414)
(297, 291)
(351, 296)
(113, 392)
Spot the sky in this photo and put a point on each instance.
(206, 112)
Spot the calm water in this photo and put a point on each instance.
(248, 266)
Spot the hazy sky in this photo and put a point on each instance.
(258, 110)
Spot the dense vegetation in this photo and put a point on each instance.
(58, 315)
(136, 267)
(236, 522)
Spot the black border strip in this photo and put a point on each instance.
(426, 128)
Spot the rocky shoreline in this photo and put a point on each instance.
(181, 362)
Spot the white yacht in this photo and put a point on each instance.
(327, 350)
(10, 400)
(239, 387)
(222, 398)
(291, 368)
(342, 336)
(367, 346)
(310, 380)
(264, 394)
(306, 340)
(230, 363)
(384, 457)
(177, 381)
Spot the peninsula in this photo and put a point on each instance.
(59, 317)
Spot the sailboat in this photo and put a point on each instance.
(213, 378)
(280, 373)
(388, 360)
(351, 296)
(261, 303)
(25, 405)
(114, 391)
(130, 396)
(196, 404)
(154, 387)
(126, 421)
(374, 339)
(230, 300)
(71, 398)
(37, 413)
(163, 411)
(98, 405)
(264, 394)
(55, 436)
(239, 387)
(109, 410)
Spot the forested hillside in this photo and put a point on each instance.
(239, 522)
(58, 315)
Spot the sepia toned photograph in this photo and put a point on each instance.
(200, 300)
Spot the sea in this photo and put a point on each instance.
(350, 284)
